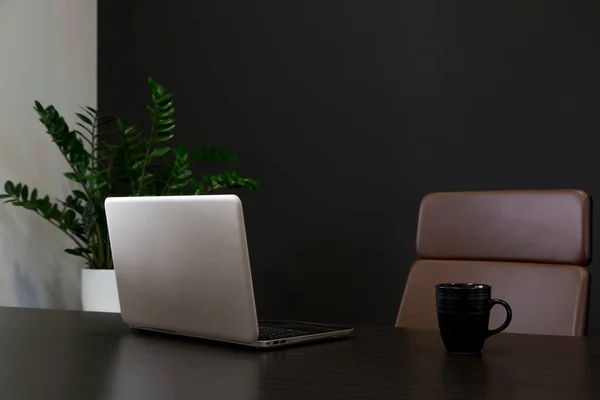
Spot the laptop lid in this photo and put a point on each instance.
(182, 265)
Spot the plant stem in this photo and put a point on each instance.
(146, 159)
(87, 193)
(166, 187)
(95, 164)
(85, 189)
(109, 261)
(100, 250)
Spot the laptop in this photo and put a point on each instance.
(182, 267)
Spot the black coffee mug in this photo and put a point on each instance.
(464, 314)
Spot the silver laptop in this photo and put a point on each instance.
(182, 267)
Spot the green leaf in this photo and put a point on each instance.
(38, 107)
(30, 205)
(160, 151)
(168, 112)
(213, 154)
(24, 192)
(69, 217)
(179, 186)
(82, 166)
(167, 121)
(17, 190)
(101, 185)
(17, 203)
(74, 252)
(147, 176)
(5, 196)
(70, 201)
(79, 194)
(88, 112)
(165, 98)
(152, 83)
(251, 184)
(72, 176)
(138, 164)
(9, 187)
(165, 107)
(185, 174)
(79, 252)
(130, 130)
(163, 137)
(84, 127)
(44, 205)
(198, 187)
(55, 213)
(164, 128)
(34, 194)
(84, 119)
(90, 177)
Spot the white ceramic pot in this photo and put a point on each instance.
(99, 290)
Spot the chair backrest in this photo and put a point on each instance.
(530, 246)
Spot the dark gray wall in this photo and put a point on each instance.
(348, 112)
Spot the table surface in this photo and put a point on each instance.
(51, 354)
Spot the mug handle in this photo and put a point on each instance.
(502, 327)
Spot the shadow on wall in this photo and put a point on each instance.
(33, 272)
(29, 293)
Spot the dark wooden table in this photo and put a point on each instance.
(85, 356)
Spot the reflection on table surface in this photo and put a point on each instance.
(154, 366)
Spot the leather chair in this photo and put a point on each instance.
(531, 246)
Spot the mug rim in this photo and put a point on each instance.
(462, 286)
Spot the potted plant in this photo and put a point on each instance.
(109, 157)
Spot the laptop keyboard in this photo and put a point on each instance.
(273, 333)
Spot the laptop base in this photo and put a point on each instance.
(298, 332)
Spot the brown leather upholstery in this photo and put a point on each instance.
(530, 246)
(550, 226)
